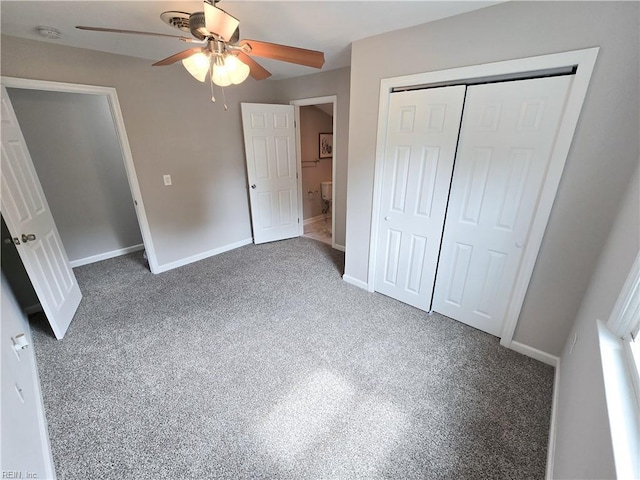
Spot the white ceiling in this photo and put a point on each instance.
(329, 26)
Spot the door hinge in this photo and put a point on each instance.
(298, 219)
(135, 202)
(296, 174)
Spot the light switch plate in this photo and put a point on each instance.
(167, 180)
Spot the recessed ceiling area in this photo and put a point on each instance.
(327, 26)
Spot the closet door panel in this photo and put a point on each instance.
(506, 140)
(420, 148)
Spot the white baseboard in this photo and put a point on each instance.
(201, 256)
(356, 282)
(551, 449)
(534, 353)
(106, 255)
(342, 248)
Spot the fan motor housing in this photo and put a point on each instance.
(197, 26)
(195, 23)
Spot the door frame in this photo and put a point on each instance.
(583, 61)
(118, 122)
(304, 102)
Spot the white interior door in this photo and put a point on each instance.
(269, 138)
(420, 149)
(506, 140)
(29, 220)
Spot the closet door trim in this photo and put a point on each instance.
(584, 62)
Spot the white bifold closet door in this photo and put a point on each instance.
(421, 141)
(506, 140)
(451, 238)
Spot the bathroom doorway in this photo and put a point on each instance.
(316, 155)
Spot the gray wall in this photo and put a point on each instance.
(76, 152)
(313, 121)
(173, 128)
(583, 437)
(602, 158)
(333, 82)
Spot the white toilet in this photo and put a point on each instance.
(326, 189)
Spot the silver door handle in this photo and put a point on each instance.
(518, 244)
(253, 186)
(386, 219)
(28, 238)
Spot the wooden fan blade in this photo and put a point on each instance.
(219, 22)
(134, 32)
(256, 70)
(301, 56)
(177, 57)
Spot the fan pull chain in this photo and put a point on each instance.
(213, 99)
(224, 99)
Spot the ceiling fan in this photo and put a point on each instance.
(224, 56)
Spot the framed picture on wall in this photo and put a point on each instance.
(326, 145)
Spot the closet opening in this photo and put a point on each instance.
(77, 155)
(100, 163)
(400, 171)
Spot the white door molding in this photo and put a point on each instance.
(304, 102)
(583, 61)
(118, 121)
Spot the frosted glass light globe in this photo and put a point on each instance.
(238, 71)
(197, 65)
(220, 74)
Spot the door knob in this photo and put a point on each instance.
(386, 219)
(9, 241)
(20, 342)
(28, 238)
(253, 186)
(518, 244)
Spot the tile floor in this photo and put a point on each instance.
(319, 230)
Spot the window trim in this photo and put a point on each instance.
(621, 374)
(624, 322)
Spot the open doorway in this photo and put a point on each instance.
(316, 156)
(104, 100)
(59, 304)
(77, 156)
(316, 146)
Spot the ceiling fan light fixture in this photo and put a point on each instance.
(220, 72)
(238, 71)
(225, 58)
(198, 65)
